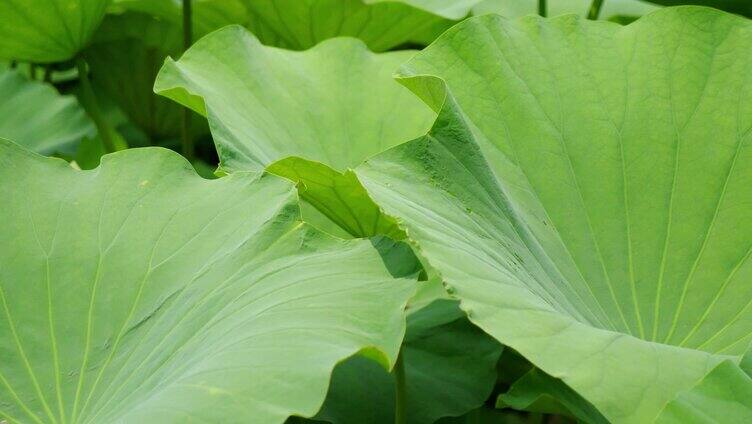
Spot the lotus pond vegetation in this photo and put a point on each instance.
(375, 211)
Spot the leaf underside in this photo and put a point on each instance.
(441, 349)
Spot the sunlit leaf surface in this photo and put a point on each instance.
(139, 292)
(585, 193)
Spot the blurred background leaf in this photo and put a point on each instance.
(36, 116)
(45, 31)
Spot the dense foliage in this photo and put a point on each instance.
(375, 211)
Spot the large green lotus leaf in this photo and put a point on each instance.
(450, 369)
(381, 24)
(36, 116)
(47, 30)
(599, 225)
(336, 103)
(610, 9)
(139, 292)
(331, 106)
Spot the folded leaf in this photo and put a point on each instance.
(332, 106)
(537, 392)
(584, 193)
(139, 292)
(47, 30)
(338, 196)
(36, 116)
(746, 362)
(724, 395)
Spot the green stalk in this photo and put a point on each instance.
(595, 9)
(542, 8)
(48, 74)
(400, 398)
(33, 70)
(91, 105)
(187, 41)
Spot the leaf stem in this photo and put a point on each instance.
(542, 8)
(595, 9)
(187, 141)
(400, 398)
(33, 70)
(92, 107)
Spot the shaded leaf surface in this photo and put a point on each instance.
(208, 15)
(47, 30)
(124, 57)
(609, 10)
(538, 392)
(488, 415)
(381, 24)
(449, 370)
(139, 292)
(130, 47)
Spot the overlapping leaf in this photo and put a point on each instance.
(35, 115)
(611, 9)
(47, 30)
(207, 15)
(381, 24)
(129, 48)
(449, 369)
(139, 292)
(584, 192)
(124, 58)
(535, 391)
(331, 106)
(723, 396)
